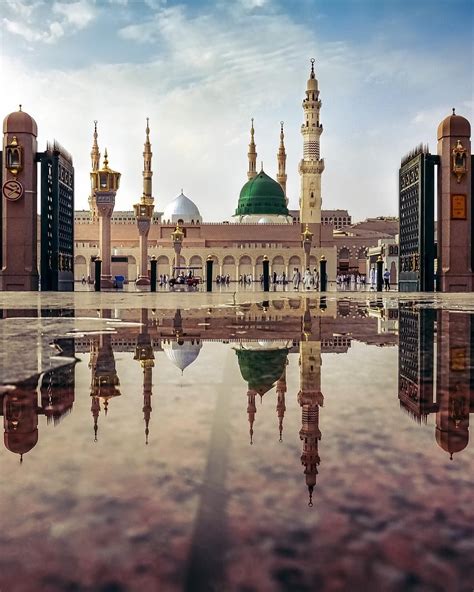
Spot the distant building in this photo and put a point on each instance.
(57, 219)
(338, 218)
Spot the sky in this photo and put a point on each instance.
(389, 71)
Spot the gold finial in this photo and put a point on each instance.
(307, 234)
(19, 107)
(106, 160)
(147, 128)
(282, 134)
(95, 128)
(177, 235)
(312, 67)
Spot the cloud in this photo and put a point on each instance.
(78, 14)
(200, 76)
(34, 24)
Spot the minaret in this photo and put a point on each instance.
(310, 399)
(311, 166)
(144, 211)
(281, 156)
(252, 154)
(105, 183)
(95, 163)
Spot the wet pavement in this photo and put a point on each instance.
(219, 442)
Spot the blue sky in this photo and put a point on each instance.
(388, 72)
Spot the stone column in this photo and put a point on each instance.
(455, 265)
(18, 268)
(105, 207)
(143, 213)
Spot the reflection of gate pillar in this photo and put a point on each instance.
(454, 205)
(453, 381)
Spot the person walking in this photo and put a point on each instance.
(307, 279)
(316, 279)
(386, 279)
(296, 279)
(372, 278)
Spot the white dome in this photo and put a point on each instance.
(266, 219)
(182, 355)
(181, 208)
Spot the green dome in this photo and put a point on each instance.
(262, 195)
(262, 368)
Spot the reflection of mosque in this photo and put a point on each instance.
(436, 373)
(263, 337)
(51, 394)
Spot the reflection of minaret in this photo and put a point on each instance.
(145, 355)
(261, 367)
(453, 380)
(310, 399)
(281, 408)
(104, 379)
(251, 411)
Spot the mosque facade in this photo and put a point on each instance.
(261, 225)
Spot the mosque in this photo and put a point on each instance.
(262, 224)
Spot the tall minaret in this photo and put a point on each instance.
(281, 156)
(144, 211)
(95, 163)
(311, 166)
(252, 154)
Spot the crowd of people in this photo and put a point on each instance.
(347, 281)
(309, 280)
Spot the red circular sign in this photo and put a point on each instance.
(12, 190)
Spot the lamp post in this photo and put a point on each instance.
(209, 265)
(379, 273)
(323, 278)
(177, 237)
(307, 237)
(266, 274)
(153, 265)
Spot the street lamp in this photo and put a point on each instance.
(177, 237)
(307, 237)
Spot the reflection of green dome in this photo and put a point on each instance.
(262, 368)
(262, 195)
